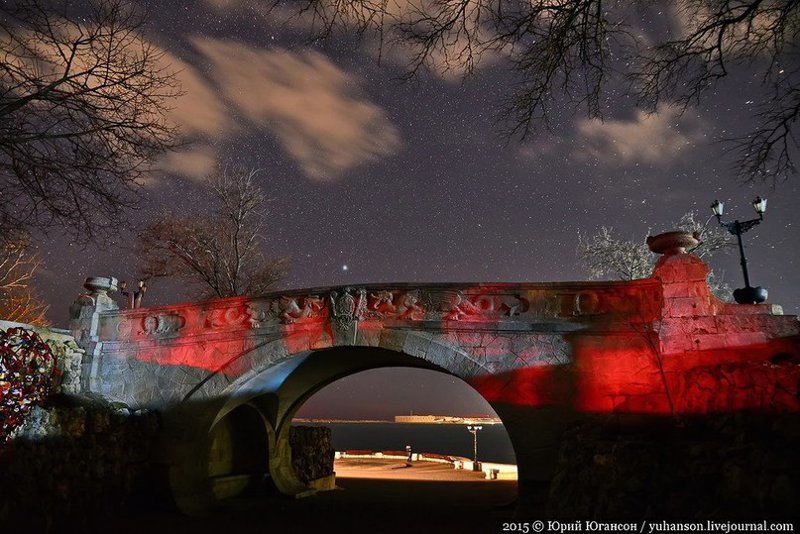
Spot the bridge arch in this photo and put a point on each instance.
(277, 389)
(239, 451)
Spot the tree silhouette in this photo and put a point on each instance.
(220, 254)
(83, 97)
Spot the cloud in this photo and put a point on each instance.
(202, 116)
(199, 111)
(542, 146)
(195, 163)
(757, 31)
(222, 5)
(647, 138)
(451, 62)
(457, 54)
(317, 111)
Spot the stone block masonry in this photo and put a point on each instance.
(312, 452)
(75, 463)
(727, 467)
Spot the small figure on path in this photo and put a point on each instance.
(408, 451)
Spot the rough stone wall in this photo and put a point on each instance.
(312, 452)
(726, 467)
(68, 360)
(771, 386)
(75, 462)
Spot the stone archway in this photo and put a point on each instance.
(278, 391)
(239, 452)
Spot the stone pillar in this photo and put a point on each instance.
(280, 466)
(535, 433)
(84, 322)
(683, 276)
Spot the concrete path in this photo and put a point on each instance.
(399, 470)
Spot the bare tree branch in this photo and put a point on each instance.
(19, 302)
(82, 112)
(218, 255)
(606, 256)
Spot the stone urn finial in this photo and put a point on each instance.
(670, 243)
(101, 285)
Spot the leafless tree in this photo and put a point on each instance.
(576, 49)
(19, 302)
(605, 256)
(83, 97)
(219, 255)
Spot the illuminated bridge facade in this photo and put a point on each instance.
(542, 355)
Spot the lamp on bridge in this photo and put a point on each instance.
(747, 294)
(474, 429)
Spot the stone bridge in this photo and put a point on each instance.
(229, 375)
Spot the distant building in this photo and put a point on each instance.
(445, 419)
(415, 419)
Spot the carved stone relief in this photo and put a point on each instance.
(347, 308)
(380, 305)
(292, 309)
(484, 307)
(233, 317)
(409, 306)
(150, 325)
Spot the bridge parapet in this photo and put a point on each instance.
(564, 306)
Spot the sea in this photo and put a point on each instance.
(494, 444)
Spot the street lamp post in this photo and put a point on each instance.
(474, 429)
(747, 294)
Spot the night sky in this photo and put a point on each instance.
(411, 181)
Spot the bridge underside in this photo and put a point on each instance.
(269, 401)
